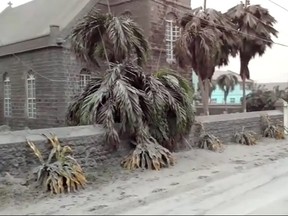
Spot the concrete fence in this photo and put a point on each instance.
(217, 109)
(90, 149)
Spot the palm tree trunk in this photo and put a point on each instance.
(244, 73)
(226, 108)
(206, 98)
(202, 91)
(244, 94)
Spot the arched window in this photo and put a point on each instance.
(85, 78)
(172, 33)
(7, 96)
(31, 95)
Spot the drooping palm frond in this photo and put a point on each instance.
(74, 116)
(177, 120)
(142, 104)
(256, 26)
(207, 41)
(61, 172)
(208, 141)
(148, 154)
(198, 47)
(106, 36)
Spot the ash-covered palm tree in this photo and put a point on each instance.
(257, 28)
(227, 83)
(155, 111)
(207, 41)
(110, 38)
(261, 99)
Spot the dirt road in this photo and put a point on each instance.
(261, 190)
(241, 180)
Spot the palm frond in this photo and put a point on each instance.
(104, 36)
(74, 116)
(151, 109)
(61, 172)
(245, 137)
(207, 41)
(272, 130)
(209, 141)
(88, 34)
(255, 23)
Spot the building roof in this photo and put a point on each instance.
(219, 73)
(32, 20)
(270, 86)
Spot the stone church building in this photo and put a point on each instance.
(39, 74)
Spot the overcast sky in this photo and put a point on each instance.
(273, 66)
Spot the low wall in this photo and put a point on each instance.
(217, 109)
(224, 126)
(89, 144)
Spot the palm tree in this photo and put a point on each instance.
(256, 26)
(206, 41)
(227, 83)
(261, 99)
(106, 37)
(152, 110)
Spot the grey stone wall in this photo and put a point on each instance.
(89, 144)
(46, 64)
(224, 126)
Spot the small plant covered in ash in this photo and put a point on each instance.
(61, 172)
(209, 141)
(272, 130)
(245, 137)
(148, 157)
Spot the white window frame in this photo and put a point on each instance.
(172, 33)
(232, 102)
(7, 97)
(85, 78)
(31, 96)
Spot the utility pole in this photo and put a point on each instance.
(205, 2)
